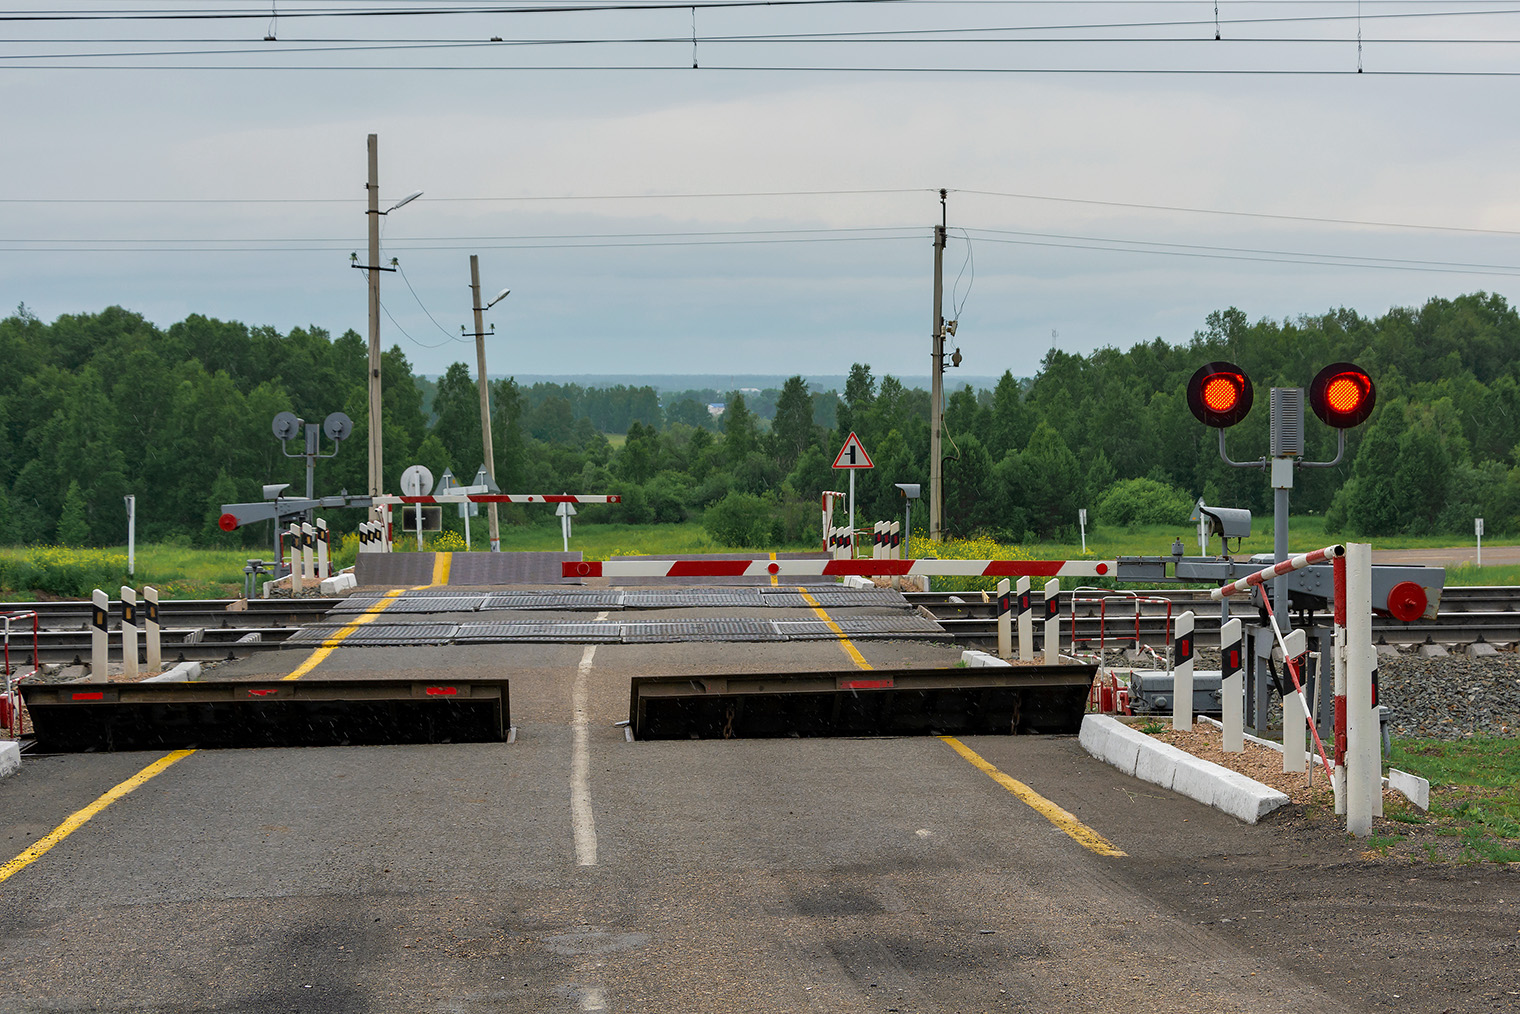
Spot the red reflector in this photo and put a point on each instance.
(262, 693)
(96, 696)
(441, 691)
(885, 684)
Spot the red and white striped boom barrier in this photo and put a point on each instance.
(766, 567)
(388, 499)
(1278, 570)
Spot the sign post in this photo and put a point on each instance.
(852, 456)
(566, 512)
(1478, 525)
(417, 481)
(1082, 521)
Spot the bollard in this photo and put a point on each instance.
(1053, 621)
(1295, 709)
(1232, 687)
(100, 607)
(1026, 620)
(129, 633)
(1004, 627)
(324, 551)
(308, 552)
(1182, 674)
(295, 560)
(152, 630)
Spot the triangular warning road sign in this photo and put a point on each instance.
(853, 455)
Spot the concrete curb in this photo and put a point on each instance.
(338, 584)
(973, 659)
(182, 673)
(1162, 764)
(10, 757)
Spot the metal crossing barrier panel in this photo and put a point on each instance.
(764, 566)
(878, 702)
(78, 717)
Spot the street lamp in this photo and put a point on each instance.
(485, 395)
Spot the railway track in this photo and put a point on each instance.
(1467, 614)
(212, 629)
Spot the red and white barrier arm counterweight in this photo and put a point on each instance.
(501, 498)
(765, 567)
(1278, 570)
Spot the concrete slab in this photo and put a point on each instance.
(10, 757)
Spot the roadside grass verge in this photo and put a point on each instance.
(1474, 796)
(178, 572)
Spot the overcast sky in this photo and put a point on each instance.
(224, 175)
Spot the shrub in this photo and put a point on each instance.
(1143, 502)
(743, 520)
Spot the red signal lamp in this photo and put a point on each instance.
(1342, 395)
(1219, 394)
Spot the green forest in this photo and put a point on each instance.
(99, 405)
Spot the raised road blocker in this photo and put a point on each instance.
(75, 717)
(879, 702)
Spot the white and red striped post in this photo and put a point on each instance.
(1026, 620)
(1182, 673)
(129, 633)
(1364, 774)
(1004, 620)
(100, 612)
(152, 630)
(1053, 621)
(1338, 661)
(1232, 686)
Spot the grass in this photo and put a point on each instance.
(178, 572)
(1474, 793)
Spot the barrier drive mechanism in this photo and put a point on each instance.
(879, 702)
(76, 717)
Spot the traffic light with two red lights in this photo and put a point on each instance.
(1342, 395)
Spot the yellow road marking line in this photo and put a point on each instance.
(1061, 818)
(442, 564)
(368, 616)
(775, 580)
(844, 642)
(77, 819)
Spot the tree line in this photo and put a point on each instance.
(104, 404)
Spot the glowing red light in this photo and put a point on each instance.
(1221, 392)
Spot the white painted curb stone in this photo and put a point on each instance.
(1414, 788)
(973, 659)
(1162, 764)
(338, 584)
(10, 757)
(182, 673)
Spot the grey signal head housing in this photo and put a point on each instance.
(908, 489)
(1227, 522)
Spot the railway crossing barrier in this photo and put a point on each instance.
(766, 567)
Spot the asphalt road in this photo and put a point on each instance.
(575, 871)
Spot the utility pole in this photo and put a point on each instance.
(937, 383)
(376, 407)
(485, 396)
